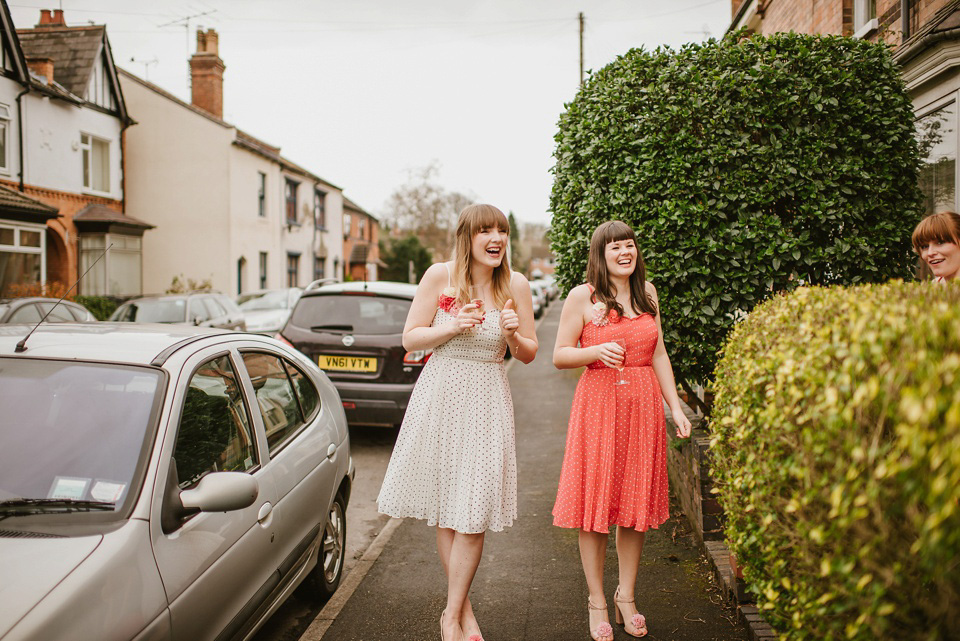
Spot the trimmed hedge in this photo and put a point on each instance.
(836, 448)
(746, 166)
(100, 306)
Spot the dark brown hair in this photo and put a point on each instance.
(599, 278)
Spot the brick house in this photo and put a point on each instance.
(62, 121)
(925, 35)
(361, 242)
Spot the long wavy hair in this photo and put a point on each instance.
(599, 277)
(472, 219)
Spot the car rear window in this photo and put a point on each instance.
(358, 314)
(152, 311)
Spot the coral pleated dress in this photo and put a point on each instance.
(455, 464)
(615, 464)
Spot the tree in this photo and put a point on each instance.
(397, 253)
(747, 166)
(516, 248)
(424, 208)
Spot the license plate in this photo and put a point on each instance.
(347, 363)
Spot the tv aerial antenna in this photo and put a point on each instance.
(185, 21)
(146, 65)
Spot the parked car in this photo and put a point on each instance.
(31, 310)
(164, 482)
(539, 298)
(266, 311)
(202, 309)
(354, 331)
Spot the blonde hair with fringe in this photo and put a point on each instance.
(472, 219)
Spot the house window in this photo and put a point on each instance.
(346, 225)
(241, 273)
(864, 17)
(4, 138)
(937, 141)
(291, 200)
(293, 266)
(96, 163)
(336, 268)
(318, 268)
(263, 270)
(118, 272)
(22, 255)
(262, 195)
(319, 212)
(362, 226)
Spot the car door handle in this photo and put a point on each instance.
(264, 514)
(331, 450)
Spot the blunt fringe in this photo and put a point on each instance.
(472, 219)
(599, 277)
(943, 227)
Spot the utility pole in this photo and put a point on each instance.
(581, 47)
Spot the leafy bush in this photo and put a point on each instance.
(747, 167)
(836, 448)
(100, 306)
(396, 254)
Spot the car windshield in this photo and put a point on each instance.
(72, 432)
(358, 314)
(263, 300)
(153, 311)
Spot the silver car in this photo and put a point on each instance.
(203, 309)
(163, 482)
(266, 311)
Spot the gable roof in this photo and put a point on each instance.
(349, 204)
(12, 44)
(74, 51)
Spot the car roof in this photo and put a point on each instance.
(170, 296)
(387, 288)
(135, 343)
(37, 299)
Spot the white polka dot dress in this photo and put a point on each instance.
(615, 463)
(455, 462)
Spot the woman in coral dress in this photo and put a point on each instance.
(454, 464)
(615, 464)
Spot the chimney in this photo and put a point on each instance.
(206, 74)
(54, 19)
(42, 67)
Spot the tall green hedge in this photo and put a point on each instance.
(836, 448)
(746, 166)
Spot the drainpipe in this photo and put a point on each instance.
(904, 20)
(20, 131)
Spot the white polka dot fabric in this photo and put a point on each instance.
(615, 463)
(455, 462)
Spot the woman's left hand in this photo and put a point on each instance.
(682, 422)
(509, 321)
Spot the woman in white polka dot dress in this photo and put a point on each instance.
(615, 463)
(454, 463)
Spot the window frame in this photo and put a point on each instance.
(320, 209)
(293, 269)
(290, 200)
(5, 121)
(182, 393)
(263, 270)
(262, 196)
(87, 155)
(305, 421)
(864, 18)
(952, 98)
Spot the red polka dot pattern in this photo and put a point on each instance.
(615, 464)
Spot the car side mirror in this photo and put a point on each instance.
(221, 492)
(197, 320)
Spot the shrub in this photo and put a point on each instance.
(100, 306)
(836, 448)
(746, 166)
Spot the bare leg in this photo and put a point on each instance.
(465, 553)
(467, 619)
(593, 552)
(629, 551)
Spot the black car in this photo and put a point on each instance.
(31, 310)
(354, 332)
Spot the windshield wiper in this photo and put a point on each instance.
(335, 328)
(36, 506)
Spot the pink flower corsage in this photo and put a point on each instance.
(600, 315)
(448, 300)
(639, 622)
(604, 630)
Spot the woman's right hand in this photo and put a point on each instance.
(610, 354)
(467, 318)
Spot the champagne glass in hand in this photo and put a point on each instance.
(622, 343)
(476, 297)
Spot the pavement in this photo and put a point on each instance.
(530, 585)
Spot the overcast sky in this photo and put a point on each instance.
(362, 91)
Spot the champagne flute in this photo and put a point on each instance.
(476, 297)
(622, 343)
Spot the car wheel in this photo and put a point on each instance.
(325, 577)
